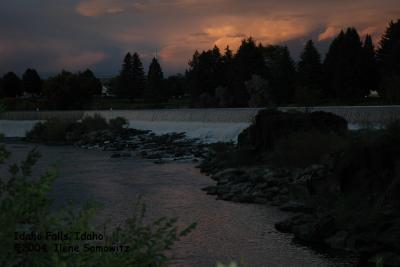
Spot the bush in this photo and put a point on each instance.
(25, 208)
(372, 160)
(67, 131)
(302, 149)
(270, 125)
(51, 131)
(97, 122)
(118, 123)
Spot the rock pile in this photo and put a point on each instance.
(159, 148)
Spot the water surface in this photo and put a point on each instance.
(225, 231)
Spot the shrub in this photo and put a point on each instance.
(51, 131)
(118, 123)
(270, 125)
(301, 149)
(25, 208)
(97, 122)
(372, 160)
(67, 131)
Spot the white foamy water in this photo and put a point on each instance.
(207, 132)
(210, 125)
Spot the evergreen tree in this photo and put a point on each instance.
(388, 57)
(90, 83)
(175, 86)
(281, 74)
(248, 61)
(369, 66)
(131, 80)
(32, 83)
(204, 74)
(155, 81)
(388, 54)
(342, 66)
(138, 77)
(1, 87)
(227, 68)
(225, 90)
(70, 90)
(12, 86)
(124, 86)
(193, 76)
(309, 75)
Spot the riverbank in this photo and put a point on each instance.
(308, 163)
(226, 231)
(343, 187)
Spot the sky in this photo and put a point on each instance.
(51, 35)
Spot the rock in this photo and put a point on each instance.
(260, 200)
(287, 225)
(155, 155)
(309, 228)
(230, 173)
(211, 190)
(298, 191)
(126, 155)
(337, 241)
(295, 206)
(306, 232)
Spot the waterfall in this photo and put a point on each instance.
(211, 125)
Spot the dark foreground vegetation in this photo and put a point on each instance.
(255, 76)
(26, 209)
(343, 185)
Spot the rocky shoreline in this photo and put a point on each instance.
(344, 198)
(313, 224)
(158, 148)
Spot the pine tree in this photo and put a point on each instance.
(369, 66)
(12, 86)
(309, 75)
(155, 79)
(131, 80)
(124, 87)
(388, 54)
(388, 57)
(331, 66)
(281, 73)
(248, 61)
(138, 77)
(32, 83)
(344, 74)
(204, 75)
(227, 68)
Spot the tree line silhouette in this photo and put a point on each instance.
(256, 75)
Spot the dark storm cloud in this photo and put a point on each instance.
(74, 34)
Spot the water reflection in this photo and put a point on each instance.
(225, 230)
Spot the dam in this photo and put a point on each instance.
(210, 125)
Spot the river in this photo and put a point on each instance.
(226, 231)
